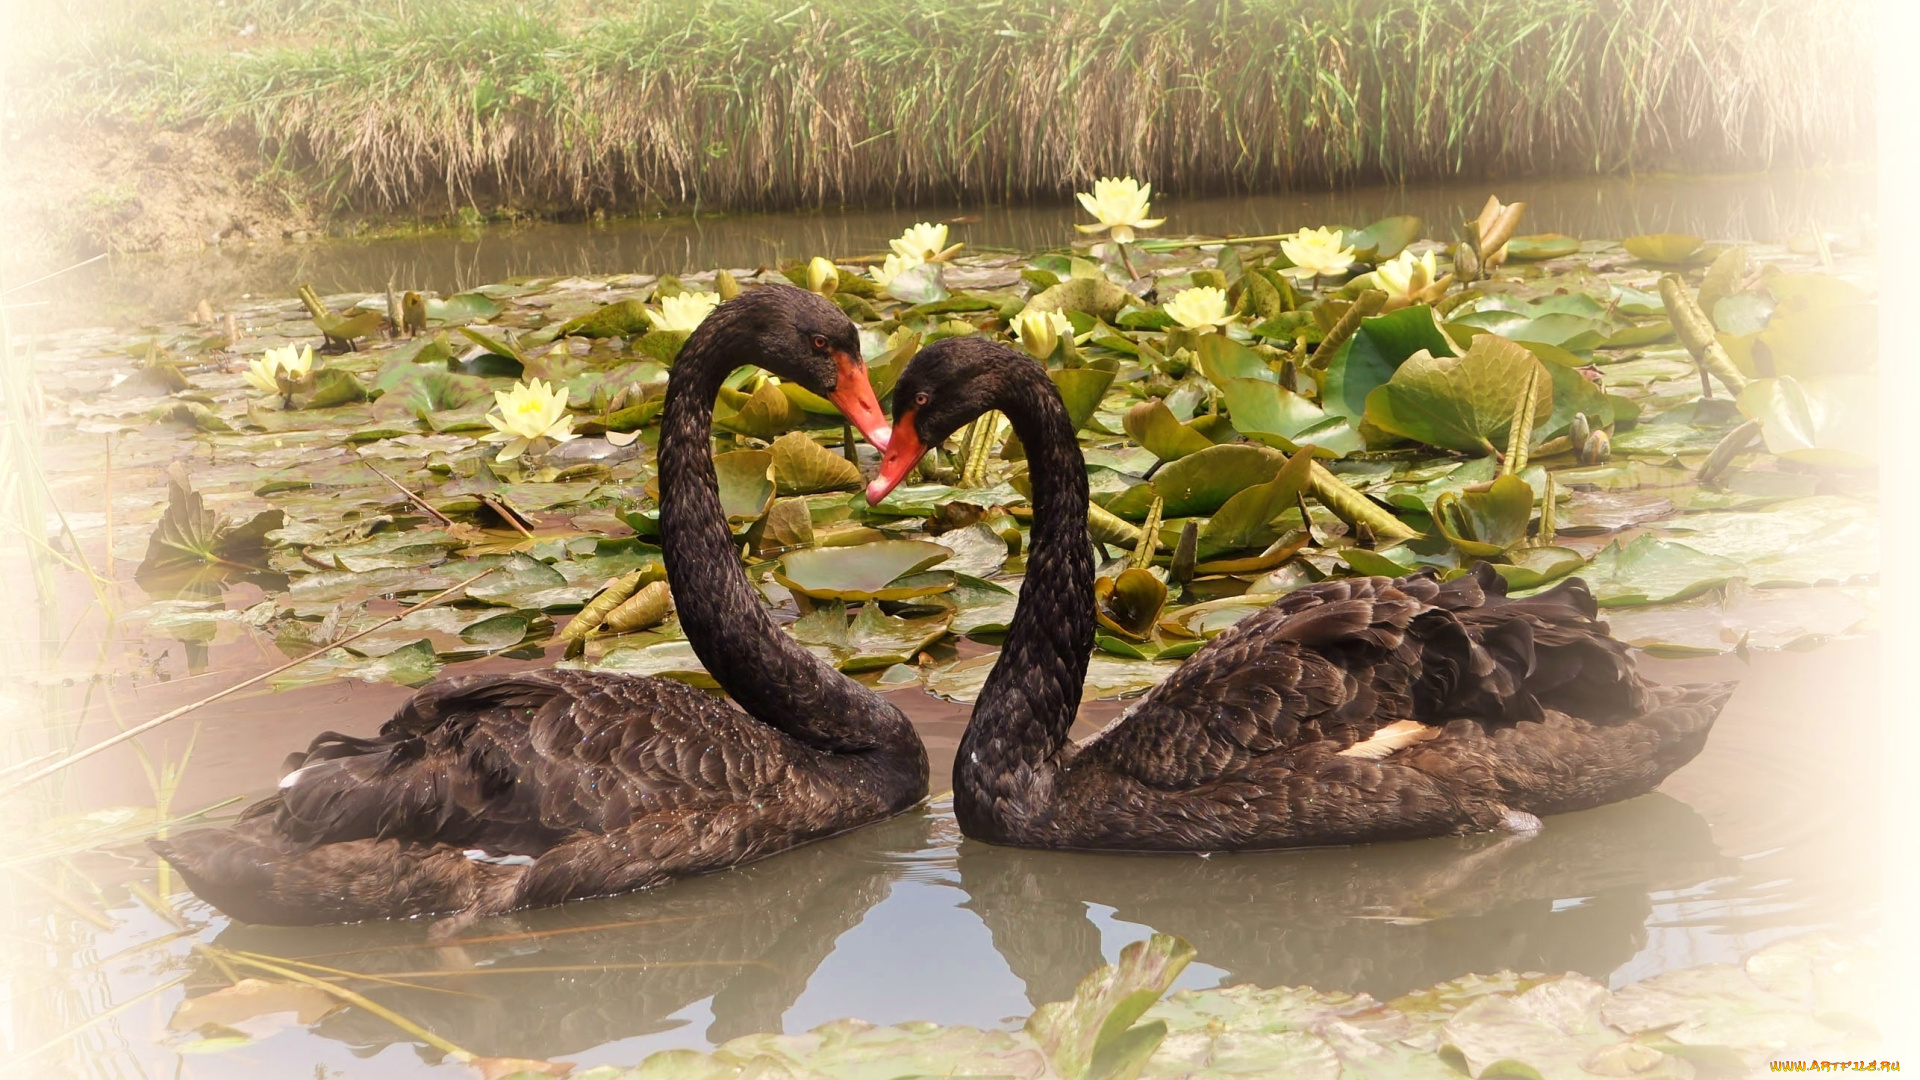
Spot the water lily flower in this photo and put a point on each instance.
(1200, 307)
(263, 371)
(528, 413)
(822, 276)
(1316, 252)
(924, 243)
(1040, 331)
(1407, 280)
(683, 312)
(1121, 205)
(895, 265)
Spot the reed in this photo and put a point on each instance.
(779, 103)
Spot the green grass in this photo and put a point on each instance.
(777, 103)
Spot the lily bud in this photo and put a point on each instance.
(1581, 428)
(1040, 332)
(1597, 448)
(725, 285)
(822, 276)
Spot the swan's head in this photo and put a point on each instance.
(944, 387)
(802, 338)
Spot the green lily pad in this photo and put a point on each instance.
(871, 640)
(1093, 1034)
(747, 484)
(804, 467)
(1246, 519)
(765, 414)
(1375, 352)
(624, 318)
(1383, 239)
(462, 308)
(1666, 249)
(1533, 567)
(1465, 403)
(1270, 414)
(1130, 604)
(1223, 359)
(1096, 296)
(1081, 389)
(1542, 246)
(865, 572)
(1486, 523)
(667, 660)
(1653, 571)
(1152, 425)
(1826, 422)
(1201, 483)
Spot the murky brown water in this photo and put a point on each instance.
(1762, 837)
(1768, 208)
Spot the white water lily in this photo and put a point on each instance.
(1040, 332)
(526, 414)
(1121, 205)
(1316, 252)
(262, 370)
(683, 312)
(924, 243)
(895, 265)
(1199, 307)
(1407, 280)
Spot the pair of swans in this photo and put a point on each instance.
(1352, 710)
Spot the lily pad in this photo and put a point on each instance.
(1246, 519)
(1153, 426)
(1130, 604)
(1666, 249)
(804, 467)
(1465, 403)
(1096, 296)
(1376, 350)
(747, 484)
(1653, 571)
(865, 572)
(1542, 246)
(1486, 523)
(1826, 422)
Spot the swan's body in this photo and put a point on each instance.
(1351, 710)
(494, 793)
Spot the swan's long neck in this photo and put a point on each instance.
(725, 619)
(1011, 748)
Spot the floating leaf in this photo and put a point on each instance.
(1826, 422)
(1096, 296)
(189, 535)
(1666, 249)
(1246, 519)
(804, 467)
(747, 483)
(462, 307)
(624, 318)
(1130, 604)
(1375, 352)
(1542, 246)
(1465, 403)
(1152, 425)
(1653, 571)
(1269, 413)
(1383, 239)
(1201, 483)
(1081, 389)
(1486, 523)
(861, 573)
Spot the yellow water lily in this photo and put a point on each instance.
(1316, 252)
(528, 413)
(822, 276)
(683, 312)
(1200, 307)
(895, 265)
(1408, 281)
(263, 371)
(924, 243)
(1040, 331)
(1121, 205)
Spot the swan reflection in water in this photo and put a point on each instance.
(1384, 918)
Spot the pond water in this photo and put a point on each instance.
(1769, 208)
(1761, 838)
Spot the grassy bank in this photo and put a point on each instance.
(770, 103)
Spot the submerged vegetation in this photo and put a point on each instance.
(439, 105)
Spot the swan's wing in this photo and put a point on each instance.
(515, 763)
(1342, 659)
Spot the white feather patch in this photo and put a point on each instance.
(480, 855)
(1395, 736)
(291, 778)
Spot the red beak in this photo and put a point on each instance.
(853, 396)
(903, 453)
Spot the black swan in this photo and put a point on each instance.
(1351, 710)
(493, 793)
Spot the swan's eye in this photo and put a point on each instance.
(920, 398)
(820, 342)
